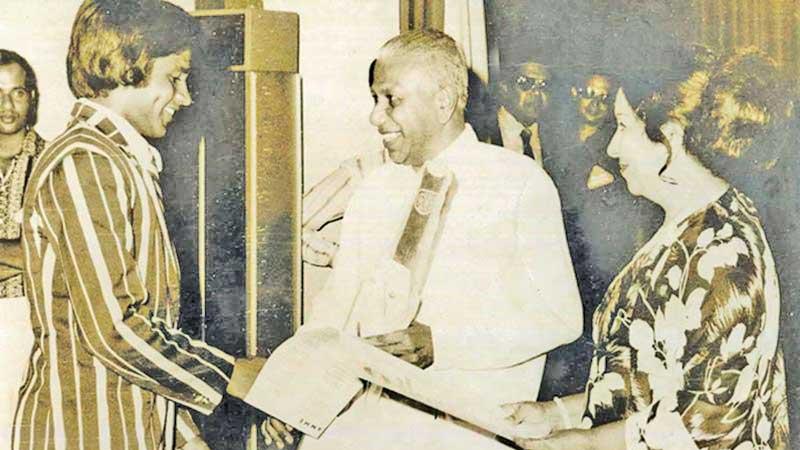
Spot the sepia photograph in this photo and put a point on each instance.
(399, 224)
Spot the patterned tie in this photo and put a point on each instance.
(527, 150)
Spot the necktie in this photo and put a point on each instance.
(527, 150)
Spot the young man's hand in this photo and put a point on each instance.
(245, 371)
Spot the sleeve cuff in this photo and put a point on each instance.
(245, 372)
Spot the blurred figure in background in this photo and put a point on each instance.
(523, 97)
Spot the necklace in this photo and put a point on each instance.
(12, 185)
(4, 177)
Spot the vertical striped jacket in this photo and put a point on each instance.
(108, 365)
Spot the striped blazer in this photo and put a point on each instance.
(108, 365)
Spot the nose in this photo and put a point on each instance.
(5, 101)
(378, 115)
(182, 95)
(613, 146)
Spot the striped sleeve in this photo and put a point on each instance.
(84, 205)
(186, 429)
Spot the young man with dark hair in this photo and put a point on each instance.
(110, 368)
(19, 146)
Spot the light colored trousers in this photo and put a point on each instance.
(16, 340)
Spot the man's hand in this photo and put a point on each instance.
(530, 419)
(245, 371)
(317, 250)
(413, 345)
(276, 432)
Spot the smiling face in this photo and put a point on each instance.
(405, 111)
(150, 108)
(15, 100)
(640, 159)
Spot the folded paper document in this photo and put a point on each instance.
(313, 376)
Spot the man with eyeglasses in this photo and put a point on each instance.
(593, 104)
(19, 145)
(523, 96)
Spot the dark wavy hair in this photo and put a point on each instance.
(114, 42)
(9, 57)
(725, 104)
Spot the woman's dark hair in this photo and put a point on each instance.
(9, 57)
(725, 104)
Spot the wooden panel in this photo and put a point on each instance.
(271, 43)
(420, 14)
(228, 4)
(273, 207)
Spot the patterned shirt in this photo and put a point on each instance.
(687, 339)
(11, 189)
(108, 364)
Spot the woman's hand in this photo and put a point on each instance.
(531, 420)
(561, 440)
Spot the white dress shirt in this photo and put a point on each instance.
(500, 293)
(510, 132)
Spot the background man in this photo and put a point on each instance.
(499, 292)
(19, 145)
(593, 103)
(523, 96)
(109, 366)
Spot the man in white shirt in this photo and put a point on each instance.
(500, 291)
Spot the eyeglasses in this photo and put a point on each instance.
(526, 83)
(592, 94)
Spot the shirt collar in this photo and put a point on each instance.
(451, 154)
(514, 127)
(119, 130)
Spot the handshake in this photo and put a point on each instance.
(412, 344)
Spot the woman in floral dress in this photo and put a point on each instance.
(687, 354)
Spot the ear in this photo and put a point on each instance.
(446, 104)
(674, 132)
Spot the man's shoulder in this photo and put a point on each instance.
(77, 140)
(385, 176)
(81, 135)
(495, 161)
(81, 138)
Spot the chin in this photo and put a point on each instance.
(10, 129)
(156, 132)
(397, 156)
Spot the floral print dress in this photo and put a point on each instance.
(687, 338)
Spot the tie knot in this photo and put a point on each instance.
(525, 134)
